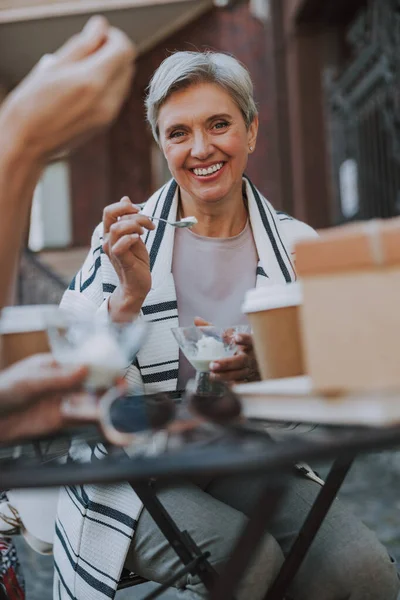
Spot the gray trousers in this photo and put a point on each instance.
(345, 562)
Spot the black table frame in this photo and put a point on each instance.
(282, 457)
(223, 587)
(257, 526)
(194, 561)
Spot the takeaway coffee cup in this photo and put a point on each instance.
(23, 331)
(273, 312)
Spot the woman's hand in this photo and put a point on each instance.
(240, 367)
(123, 226)
(31, 393)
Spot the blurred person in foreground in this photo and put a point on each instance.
(204, 118)
(67, 97)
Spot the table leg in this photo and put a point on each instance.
(180, 541)
(310, 528)
(248, 541)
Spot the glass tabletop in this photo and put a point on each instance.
(82, 454)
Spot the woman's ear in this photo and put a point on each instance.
(252, 134)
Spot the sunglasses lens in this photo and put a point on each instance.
(219, 405)
(128, 414)
(134, 413)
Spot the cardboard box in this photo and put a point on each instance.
(350, 318)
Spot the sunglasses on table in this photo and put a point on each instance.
(123, 416)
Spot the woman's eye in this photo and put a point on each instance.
(221, 125)
(176, 134)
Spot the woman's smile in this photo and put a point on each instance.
(208, 172)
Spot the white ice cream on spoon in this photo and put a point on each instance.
(191, 220)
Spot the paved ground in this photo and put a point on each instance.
(372, 490)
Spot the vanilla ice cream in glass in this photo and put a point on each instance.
(203, 345)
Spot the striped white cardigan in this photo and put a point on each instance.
(95, 523)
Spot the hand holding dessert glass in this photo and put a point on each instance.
(204, 344)
(208, 398)
(107, 349)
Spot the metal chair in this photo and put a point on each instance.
(3, 595)
(128, 580)
(193, 560)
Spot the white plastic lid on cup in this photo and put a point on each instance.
(272, 296)
(38, 317)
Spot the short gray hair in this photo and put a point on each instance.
(182, 69)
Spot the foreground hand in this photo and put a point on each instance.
(72, 93)
(31, 393)
(240, 367)
(123, 225)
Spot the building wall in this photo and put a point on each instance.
(303, 63)
(90, 186)
(307, 40)
(119, 163)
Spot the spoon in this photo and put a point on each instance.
(185, 222)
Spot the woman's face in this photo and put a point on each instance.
(205, 141)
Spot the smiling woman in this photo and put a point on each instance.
(202, 113)
(207, 152)
(203, 116)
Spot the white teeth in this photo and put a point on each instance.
(208, 171)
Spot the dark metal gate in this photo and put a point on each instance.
(364, 117)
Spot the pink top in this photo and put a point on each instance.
(211, 277)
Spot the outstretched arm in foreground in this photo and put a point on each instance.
(67, 97)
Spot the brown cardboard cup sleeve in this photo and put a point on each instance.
(273, 312)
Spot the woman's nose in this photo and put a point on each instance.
(201, 147)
